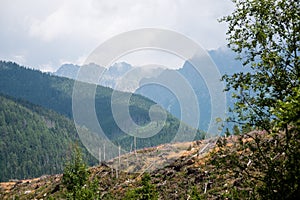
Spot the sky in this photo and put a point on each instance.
(44, 34)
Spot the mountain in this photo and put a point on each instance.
(68, 71)
(109, 78)
(115, 76)
(55, 93)
(224, 59)
(34, 140)
(139, 81)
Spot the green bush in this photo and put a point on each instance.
(146, 192)
(76, 179)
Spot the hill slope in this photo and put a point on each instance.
(204, 171)
(178, 175)
(34, 141)
(55, 93)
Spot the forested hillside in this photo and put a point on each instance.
(55, 93)
(34, 141)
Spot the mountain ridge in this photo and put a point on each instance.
(223, 58)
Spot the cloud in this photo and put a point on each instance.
(52, 31)
(19, 58)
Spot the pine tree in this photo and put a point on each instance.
(75, 175)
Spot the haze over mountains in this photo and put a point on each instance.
(125, 77)
(222, 57)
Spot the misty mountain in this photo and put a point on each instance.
(118, 77)
(223, 58)
(68, 71)
(108, 79)
(225, 61)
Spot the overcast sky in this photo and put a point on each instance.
(45, 34)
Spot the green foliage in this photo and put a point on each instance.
(76, 179)
(194, 194)
(146, 192)
(265, 34)
(75, 173)
(260, 165)
(34, 141)
(236, 130)
(288, 111)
